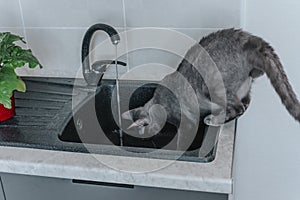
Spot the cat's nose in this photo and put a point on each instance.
(131, 126)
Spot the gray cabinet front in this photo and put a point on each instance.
(21, 187)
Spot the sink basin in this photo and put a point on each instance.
(44, 120)
(94, 121)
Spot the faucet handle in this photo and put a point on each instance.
(119, 63)
(101, 66)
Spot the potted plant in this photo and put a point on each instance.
(12, 56)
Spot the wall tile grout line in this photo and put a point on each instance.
(23, 21)
(126, 29)
(243, 13)
(187, 28)
(11, 27)
(62, 28)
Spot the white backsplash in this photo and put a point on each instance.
(72, 13)
(54, 31)
(10, 15)
(183, 14)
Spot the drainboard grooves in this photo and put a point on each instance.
(19, 122)
(23, 124)
(42, 96)
(40, 113)
(36, 112)
(57, 81)
(52, 92)
(30, 118)
(29, 103)
(49, 88)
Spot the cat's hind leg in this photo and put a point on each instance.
(236, 106)
(246, 101)
(232, 112)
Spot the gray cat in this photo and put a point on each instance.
(239, 58)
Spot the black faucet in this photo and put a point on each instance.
(93, 74)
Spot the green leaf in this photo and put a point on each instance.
(13, 56)
(9, 38)
(9, 82)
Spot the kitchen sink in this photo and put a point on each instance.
(95, 116)
(64, 115)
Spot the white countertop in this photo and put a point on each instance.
(215, 176)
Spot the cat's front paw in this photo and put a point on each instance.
(212, 120)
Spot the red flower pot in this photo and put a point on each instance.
(5, 113)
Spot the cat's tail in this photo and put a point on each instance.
(267, 60)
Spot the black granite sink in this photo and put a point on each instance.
(46, 119)
(95, 121)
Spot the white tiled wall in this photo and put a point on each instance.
(54, 30)
(267, 156)
(182, 14)
(10, 15)
(72, 13)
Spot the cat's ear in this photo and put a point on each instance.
(127, 115)
(133, 114)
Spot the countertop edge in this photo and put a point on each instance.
(223, 186)
(71, 165)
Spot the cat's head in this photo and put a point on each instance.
(147, 121)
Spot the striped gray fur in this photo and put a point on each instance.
(240, 57)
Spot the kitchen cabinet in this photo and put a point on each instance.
(17, 187)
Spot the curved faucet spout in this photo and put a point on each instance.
(88, 74)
